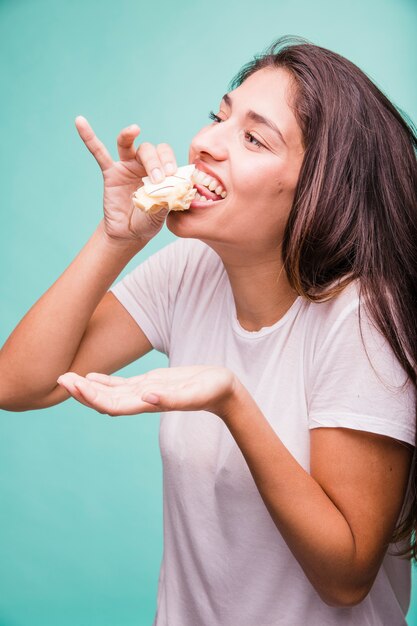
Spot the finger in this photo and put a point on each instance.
(147, 156)
(106, 391)
(111, 381)
(167, 158)
(71, 379)
(151, 398)
(67, 378)
(75, 393)
(183, 398)
(110, 401)
(125, 142)
(160, 398)
(119, 382)
(93, 143)
(95, 398)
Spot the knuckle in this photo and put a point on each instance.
(149, 156)
(165, 152)
(122, 139)
(90, 141)
(146, 147)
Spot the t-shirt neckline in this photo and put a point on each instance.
(265, 330)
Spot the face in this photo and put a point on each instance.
(253, 148)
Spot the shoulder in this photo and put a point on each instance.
(344, 336)
(347, 304)
(328, 321)
(344, 317)
(353, 378)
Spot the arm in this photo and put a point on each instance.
(338, 520)
(53, 336)
(67, 328)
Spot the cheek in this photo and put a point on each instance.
(262, 184)
(250, 176)
(267, 199)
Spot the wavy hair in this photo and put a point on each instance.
(354, 214)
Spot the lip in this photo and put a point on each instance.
(203, 191)
(200, 165)
(203, 204)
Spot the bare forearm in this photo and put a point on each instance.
(44, 343)
(314, 529)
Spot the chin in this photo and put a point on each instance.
(178, 224)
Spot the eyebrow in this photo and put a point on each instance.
(257, 117)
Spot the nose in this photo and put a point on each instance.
(210, 141)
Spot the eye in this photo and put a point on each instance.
(253, 140)
(214, 117)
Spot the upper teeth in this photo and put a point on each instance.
(204, 179)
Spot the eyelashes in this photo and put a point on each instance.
(214, 117)
(251, 139)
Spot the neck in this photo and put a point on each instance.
(260, 287)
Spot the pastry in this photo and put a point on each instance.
(174, 192)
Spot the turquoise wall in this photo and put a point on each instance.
(80, 493)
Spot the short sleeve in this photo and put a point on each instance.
(357, 382)
(149, 292)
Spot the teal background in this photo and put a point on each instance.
(80, 493)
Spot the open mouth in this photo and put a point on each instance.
(209, 189)
(205, 194)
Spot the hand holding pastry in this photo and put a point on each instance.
(122, 219)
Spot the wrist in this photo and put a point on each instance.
(119, 244)
(232, 401)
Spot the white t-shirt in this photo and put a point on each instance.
(224, 561)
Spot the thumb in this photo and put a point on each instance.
(151, 398)
(186, 397)
(162, 213)
(158, 217)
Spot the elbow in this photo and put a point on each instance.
(345, 598)
(9, 404)
(14, 403)
(16, 407)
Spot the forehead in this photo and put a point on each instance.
(270, 87)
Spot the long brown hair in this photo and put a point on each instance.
(354, 214)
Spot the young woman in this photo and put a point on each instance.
(288, 311)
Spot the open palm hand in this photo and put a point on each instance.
(192, 388)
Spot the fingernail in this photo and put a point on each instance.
(151, 398)
(169, 168)
(157, 176)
